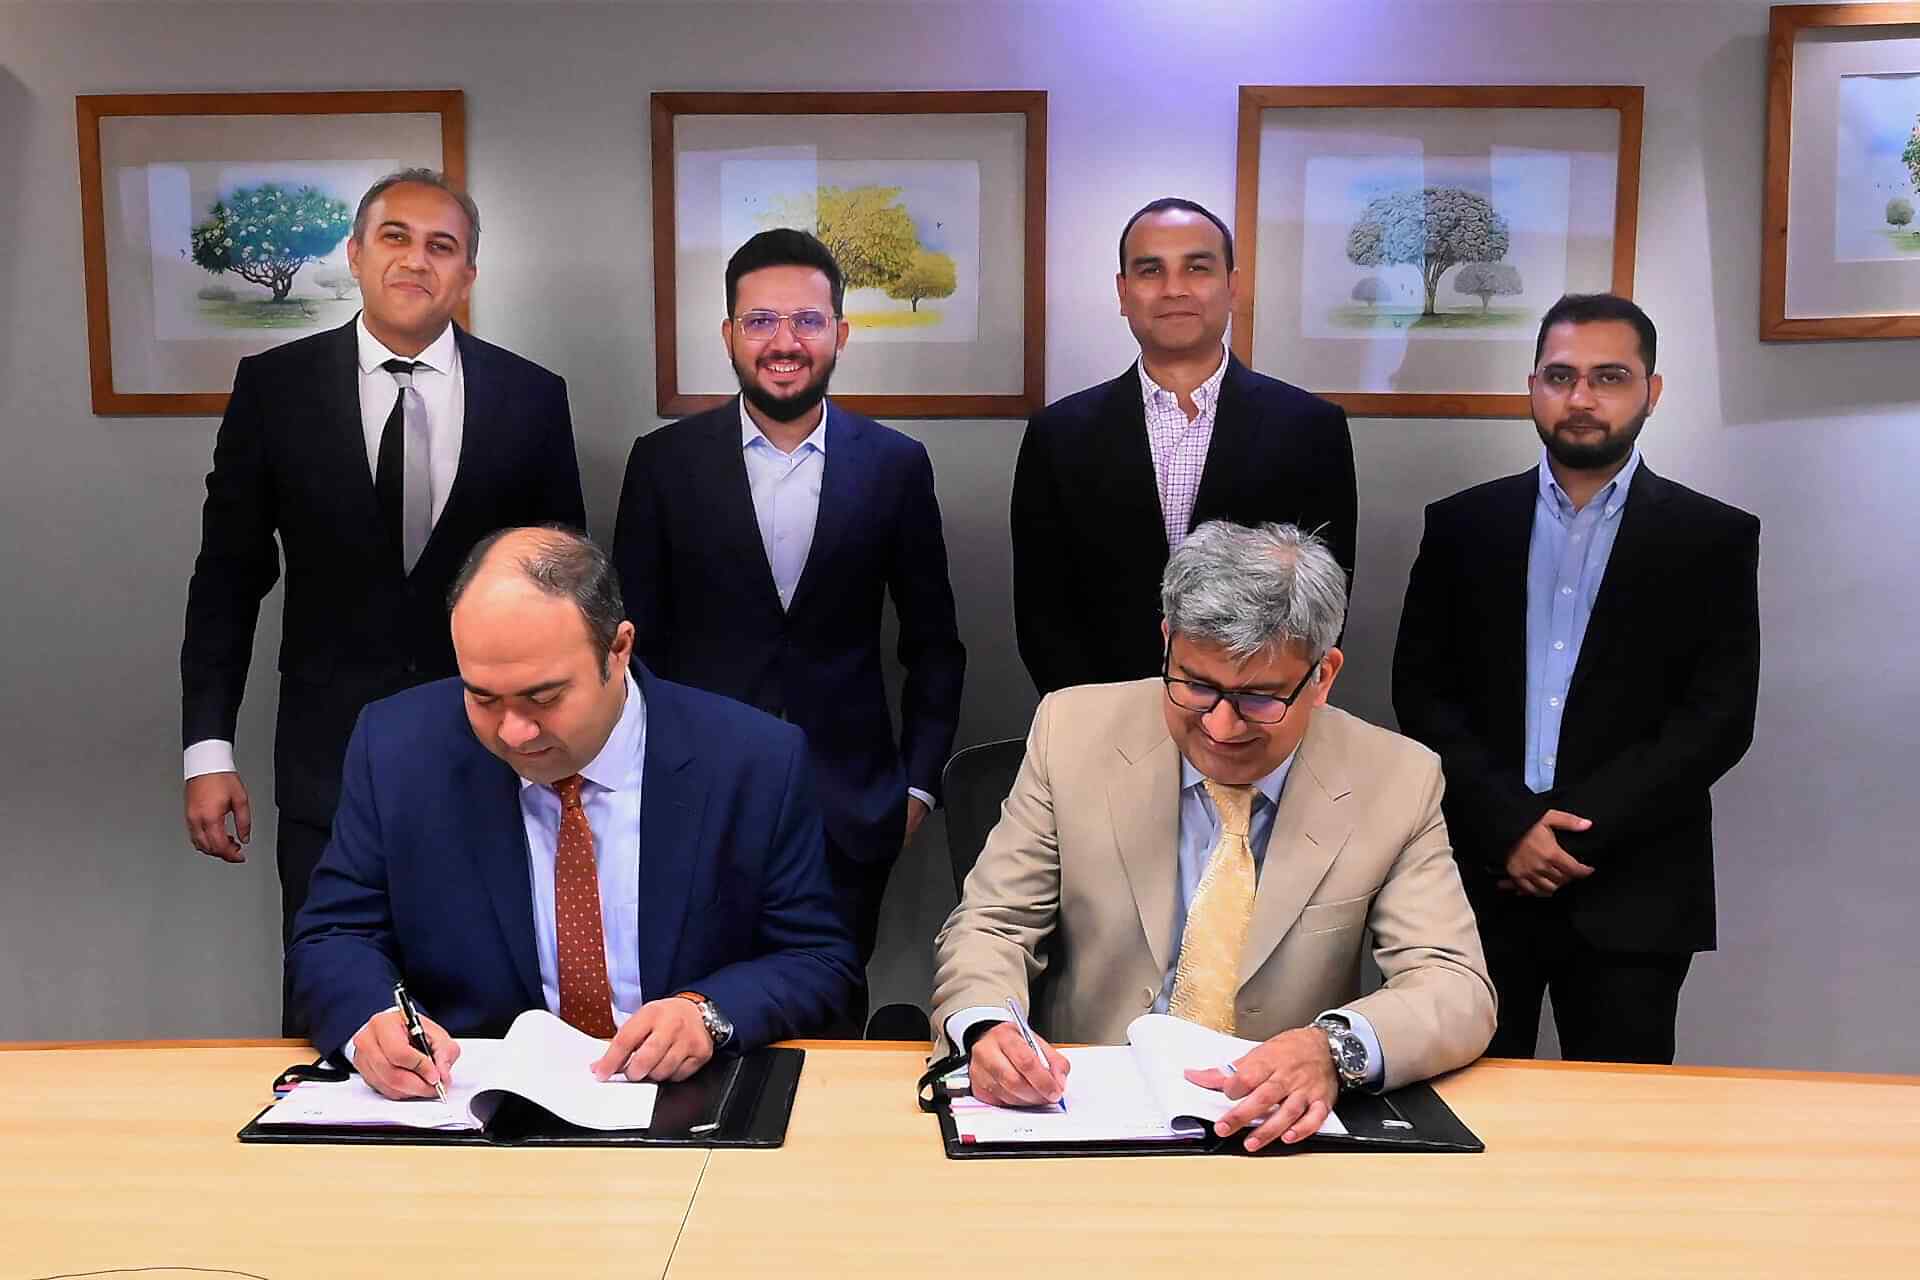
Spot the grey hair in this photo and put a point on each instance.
(426, 178)
(563, 563)
(1250, 590)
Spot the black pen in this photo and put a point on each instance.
(416, 1034)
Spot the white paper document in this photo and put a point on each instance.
(1136, 1092)
(541, 1059)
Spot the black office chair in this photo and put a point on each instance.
(976, 782)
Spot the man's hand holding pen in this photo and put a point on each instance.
(387, 1060)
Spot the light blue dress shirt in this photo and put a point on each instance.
(611, 798)
(786, 506)
(1199, 831)
(1566, 563)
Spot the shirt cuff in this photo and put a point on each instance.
(346, 1050)
(1358, 1024)
(960, 1023)
(213, 755)
(923, 798)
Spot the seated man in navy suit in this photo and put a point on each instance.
(559, 829)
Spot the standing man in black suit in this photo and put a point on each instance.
(755, 545)
(380, 453)
(1581, 645)
(1111, 479)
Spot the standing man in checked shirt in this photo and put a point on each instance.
(757, 544)
(1110, 480)
(1581, 645)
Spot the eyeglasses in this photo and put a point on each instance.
(1607, 380)
(1252, 705)
(807, 324)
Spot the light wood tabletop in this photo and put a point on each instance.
(122, 1157)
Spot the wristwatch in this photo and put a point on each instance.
(1349, 1050)
(717, 1024)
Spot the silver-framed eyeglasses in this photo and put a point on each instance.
(1255, 706)
(1603, 380)
(807, 323)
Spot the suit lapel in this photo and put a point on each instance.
(845, 481)
(735, 527)
(673, 795)
(1635, 556)
(481, 428)
(1507, 545)
(1309, 830)
(337, 402)
(1143, 799)
(497, 843)
(1126, 485)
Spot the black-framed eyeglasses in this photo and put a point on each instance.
(807, 324)
(1255, 706)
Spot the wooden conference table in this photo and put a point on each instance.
(122, 1157)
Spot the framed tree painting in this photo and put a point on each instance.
(215, 226)
(934, 205)
(1398, 244)
(1840, 253)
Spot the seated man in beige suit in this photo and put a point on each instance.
(1111, 887)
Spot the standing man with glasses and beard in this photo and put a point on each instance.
(756, 544)
(378, 453)
(1581, 644)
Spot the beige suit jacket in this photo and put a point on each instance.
(1072, 905)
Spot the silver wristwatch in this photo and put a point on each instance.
(1349, 1050)
(717, 1023)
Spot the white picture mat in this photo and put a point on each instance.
(1584, 143)
(714, 154)
(1818, 285)
(146, 359)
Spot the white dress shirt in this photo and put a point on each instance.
(444, 393)
(1198, 833)
(1179, 444)
(786, 506)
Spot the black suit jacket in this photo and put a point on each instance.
(1089, 542)
(701, 596)
(291, 460)
(1660, 706)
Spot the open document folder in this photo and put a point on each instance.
(1135, 1099)
(541, 1059)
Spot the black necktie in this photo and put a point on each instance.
(389, 472)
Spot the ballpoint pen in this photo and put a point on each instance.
(416, 1034)
(1026, 1031)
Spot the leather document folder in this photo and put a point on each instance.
(742, 1101)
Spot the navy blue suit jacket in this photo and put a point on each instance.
(702, 599)
(426, 877)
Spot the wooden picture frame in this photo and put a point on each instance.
(1331, 180)
(1834, 294)
(757, 149)
(177, 350)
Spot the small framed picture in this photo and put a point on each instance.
(215, 226)
(934, 205)
(1398, 244)
(1841, 249)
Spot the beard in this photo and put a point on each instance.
(795, 404)
(1598, 455)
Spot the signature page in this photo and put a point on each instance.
(1107, 1100)
(1168, 1046)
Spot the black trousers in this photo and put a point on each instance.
(859, 888)
(1608, 1006)
(298, 852)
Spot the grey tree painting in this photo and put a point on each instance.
(906, 234)
(1876, 168)
(239, 248)
(1434, 246)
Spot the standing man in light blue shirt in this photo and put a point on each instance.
(1581, 644)
(758, 544)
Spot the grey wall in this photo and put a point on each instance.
(110, 926)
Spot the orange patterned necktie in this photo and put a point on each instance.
(586, 997)
(1208, 976)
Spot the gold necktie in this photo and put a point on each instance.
(1208, 976)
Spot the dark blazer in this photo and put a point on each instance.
(426, 878)
(701, 596)
(1089, 543)
(291, 459)
(1661, 703)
